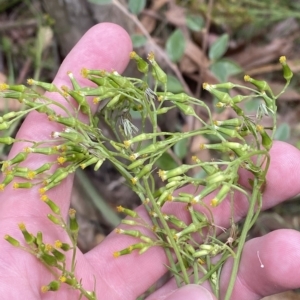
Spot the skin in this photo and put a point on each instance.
(107, 46)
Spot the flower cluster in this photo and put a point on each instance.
(239, 142)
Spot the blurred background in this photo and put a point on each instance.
(195, 41)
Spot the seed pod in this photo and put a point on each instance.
(7, 180)
(51, 204)
(265, 139)
(4, 125)
(206, 191)
(41, 150)
(122, 82)
(230, 122)
(74, 227)
(127, 211)
(68, 121)
(187, 109)
(188, 230)
(233, 133)
(137, 163)
(157, 72)
(174, 220)
(221, 96)
(13, 95)
(200, 253)
(162, 198)
(7, 140)
(225, 85)
(90, 161)
(49, 87)
(18, 158)
(217, 178)
(180, 97)
(29, 238)
(129, 249)
(11, 240)
(99, 164)
(43, 168)
(260, 84)
(225, 189)
(146, 171)
(142, 65)
(115, 101)
(48, 259)
(58, 255)
(22, 185)
(164, 110)
(39, 238)
(74, 82)
(9, 115)
(58, 175)
(152, 148)
(287, 72)
(174, 172)
(54, 220)
(80, 99)
(65, 247)
(53, 286)
(270, 103)
(101, 81)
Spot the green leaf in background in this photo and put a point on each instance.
(100, 1)
(283, 132)
(166, 162)
(138, 40)
(174, 85)
(136, 6)
(194, 22)
(224, 68)
(175, 45)
(219, 47)
(181, 148)
(252, 105)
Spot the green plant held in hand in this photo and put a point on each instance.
(195, 252)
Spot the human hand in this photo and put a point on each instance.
(106, 46)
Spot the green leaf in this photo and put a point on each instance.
(174, 85)
(175, 45)
(181, 148)
(138, 40)
(166, 162)
(100, 2)
(194, 22)
(224, 68)
(283, 132)
(219, 47)
(136, 6)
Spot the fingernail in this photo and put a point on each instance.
(191, 292)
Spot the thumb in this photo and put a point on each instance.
(191, 292)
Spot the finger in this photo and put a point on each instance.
(191, 292)
(105, 46)
(268, 266)
(282, 183)
(149, 267)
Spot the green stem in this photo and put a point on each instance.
(168, 233)
(242, 240)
